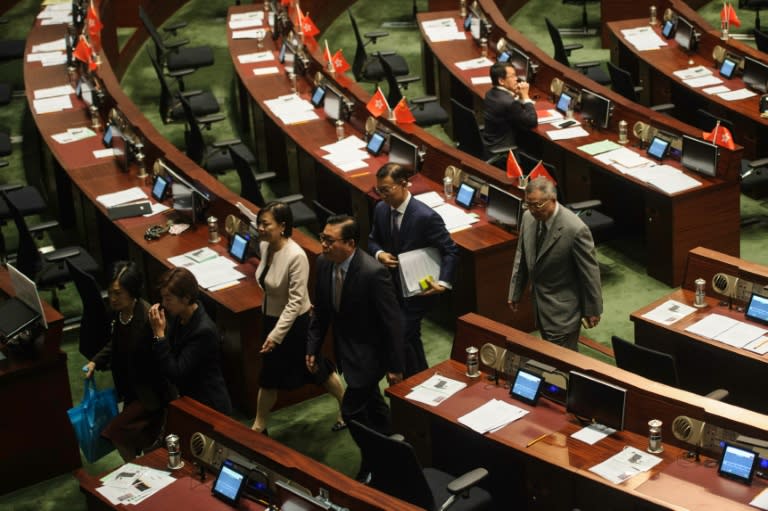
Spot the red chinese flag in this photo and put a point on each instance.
(721, 136)
(513, 168)
(307, 25)
(540, 171)
(340, 64)
(403, 114)
(83, 51)
(94, 26)
(285, 2)
(728, 15)
(378, 104)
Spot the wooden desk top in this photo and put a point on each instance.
(675, 482)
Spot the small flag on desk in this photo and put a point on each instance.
(728, 15)
(540, 171)
(513, 168)
(308, 26)
(378, 104)
(721, 136)
(340, 64)
(403, 114)
(94, 26)
(84, 53)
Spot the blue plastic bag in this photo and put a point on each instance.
(90, 417)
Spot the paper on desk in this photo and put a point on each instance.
(270, 70)
(623, 157)
(50, 92)
(567, 133)
(252, 33)
(345, 144)
(668, 179)
(603, 146)
(643, 38)
(131, 484)
(741, 334)
(593, 433)
(481, 80)
(122, 197)
(106, 153)
(716, 89)
(492, 415)
(435, 390)
(73, 135)
(548, 115)
(57, 45)
(431, 199)
(625, 464)
(443, 29)
(737, 94)
(454, 217)
(711, 326)
(246, 23)
(210, 273)
(54, 104)
(474, 63)
(692, 72)
(669, 312)
(259, 56)
(759, 346)
(702, 81)
(38, 57)
(416, 265)
(156, 209)
(249, 15)
(761, 500)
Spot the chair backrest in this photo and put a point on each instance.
(761, 39)
(29, 261)
(466, 130)
(621, 82)
(94, 325)
(651, 364)
(527, 162)
(166, 98)
(394, 467)
(557, 41)
(322, 212)
(394, 95)
(159, 45)
(707, 121)
(249, 187)
(360, 54)
(193, 135)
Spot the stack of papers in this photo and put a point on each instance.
(666, 178)
(251, 33)
(54, 104)
(492, 416)
(259, 56)
(477, 63)
(548, 115)
(702, 81)
(211, 271)
(669, 312)
(643, 38)
(55, 45)
(291, 109)
(737, 94)
(455, 218)
(246, 20)
(566, 133)
(729, 331)
(417, 265)
(131, 484)
(128, 196)
(625, 464)
(692, 72)
(48, 58)
(347, 154)
(443, 29)
(435, 390)
(600, 147)
(624, 159)
(56, 14)
(73, 135)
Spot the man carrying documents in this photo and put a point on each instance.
(410, 239)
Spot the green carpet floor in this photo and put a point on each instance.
(306, 427)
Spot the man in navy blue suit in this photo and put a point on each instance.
(401, 224)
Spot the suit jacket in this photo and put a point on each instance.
(420, 227)
(367, 333)
(565, 275)
(190, 358)
(504, 116)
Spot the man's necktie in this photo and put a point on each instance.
(395, 229)
(338, 284)
(541, 233)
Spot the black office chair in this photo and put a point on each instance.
(322, 212)
(11, 49)
(654, 365)
(29, 202)
(426, 110)
(761, 40)
(469, 135)
(395, 470)
(562, 51)
(173, 55)
(753, 173)
(250, 188)
(214, 157)
(367, 68)
(584, 28)
(202, 102)
(754, 5)
(621, 82)
(94, 322)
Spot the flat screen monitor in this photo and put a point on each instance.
(468, 22)
(403, 152)
(595, 107)
(317, 96)
(121, 149)
(685, 35)
(84, 90)
(699, 156)
(521, 62)
(332, 104)
(596, 401)
(188, 199)
(475, 28)
(755, 74)
(738, 463)
(229, 483)
(294, 499)
(563, 102)
(504, 208)
(757, 309)
(728, 67)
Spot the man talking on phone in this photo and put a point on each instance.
(507, 108)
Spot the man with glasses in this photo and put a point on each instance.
(355, 294)
(556, 253)
(401, 224)
(507, 108)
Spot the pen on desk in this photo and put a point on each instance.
(361, 174)
(537, 439)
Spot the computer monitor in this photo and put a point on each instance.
(188, 199)
(121, 148)
(521, 62)
(596, 401)
(685, 35)
(478, 26)
(332, 104)
(755, 75)
(699, 156)
(25, 290)
(294, 499)
(596, 108)
(403, 152)
(504, 208)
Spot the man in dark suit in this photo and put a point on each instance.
(556, 253)
(401, 224)
(507, 108)
(356, 295)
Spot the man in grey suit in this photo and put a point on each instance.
(555, 251)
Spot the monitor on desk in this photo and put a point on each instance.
(755, 74)
(757, 309)
(595, 108)
(521, 62)
(403, 152)
(22, 310)
(478, 25)
(596, 401)
(685, 35)
(504, 208)
(188, 199)
(332, 104)
(699, 156)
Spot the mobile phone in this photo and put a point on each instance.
(566, 124)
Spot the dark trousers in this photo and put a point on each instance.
(568, 340)
(366, 405)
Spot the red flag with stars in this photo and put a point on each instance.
(540, 171)
(94, 26)
(340, 64)
(403, 114)
(378, 104)
(308, 26)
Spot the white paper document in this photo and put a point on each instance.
(643, 38)
(435, 390)
(59, 90)
(702, 81)
(623, 157)
(474, 63)
(443, 29)
(431, 199)
(481, 80)
(54, 104)
(566, 133)
(712, 326)
(625, 464)
(493, 415)
(759, 346)
(455, 218)
(209, 273)
(667, 178)
(761, 500)
(259, 56)
(741, 334)
(593, 433)
(692, 72)
(73, 135)
(669, 312)
(106, 153)
(246, 22)
(548, 115)
(270, 70)
(737, 94)
(252, 33)
(416, 265)
(131, 484)
(716, 89)
(122, 197)
(291, 109)
(57, 45)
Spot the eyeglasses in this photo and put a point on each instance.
(327, 240)
(535, 206)
(385, 190)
